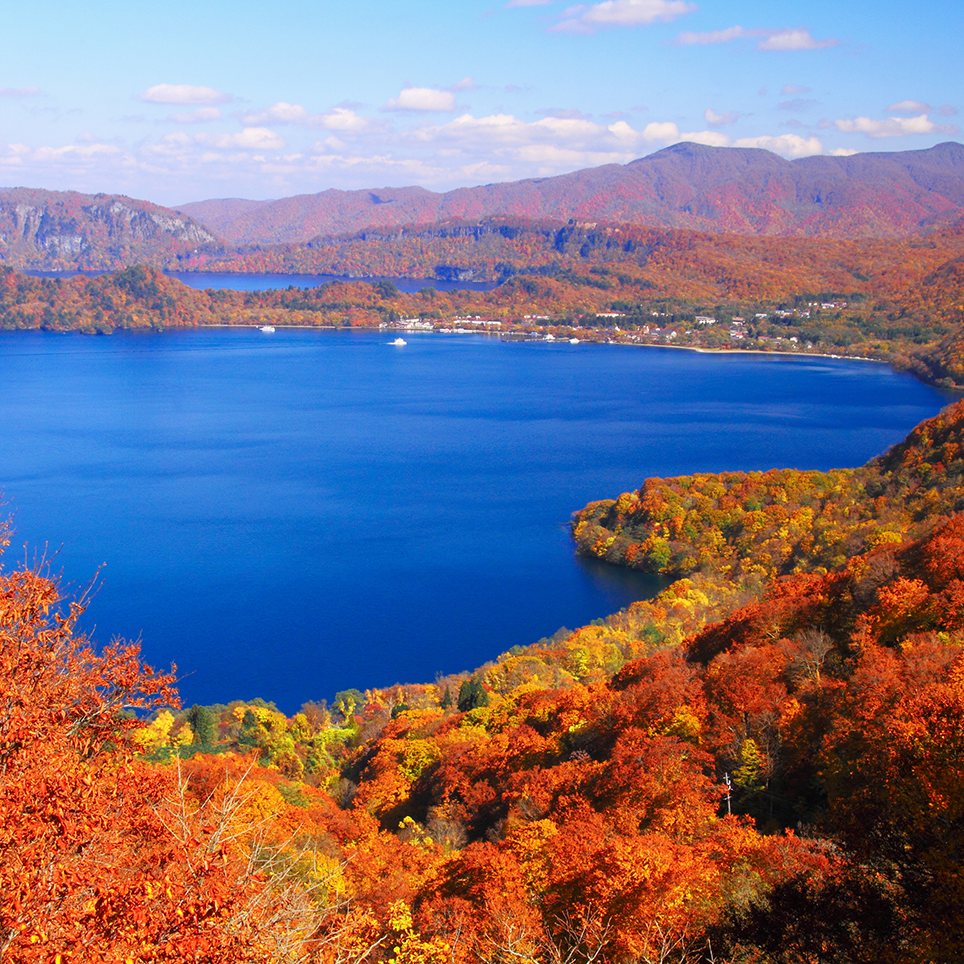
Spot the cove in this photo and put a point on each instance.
(241, 281)
(287, 515)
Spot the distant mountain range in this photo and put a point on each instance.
(715, 189)
(688, 186)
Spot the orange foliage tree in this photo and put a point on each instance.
(106, 858)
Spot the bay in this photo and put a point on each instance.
(241, 281)
(266, 282)
(287, 515)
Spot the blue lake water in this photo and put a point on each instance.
(292, 514)
(265, 282)
(239, 281)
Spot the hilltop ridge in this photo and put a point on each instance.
(715, 189)
(740, 192)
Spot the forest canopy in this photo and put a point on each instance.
(762, 764)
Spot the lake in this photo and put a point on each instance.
(240, 281)
(288, 515)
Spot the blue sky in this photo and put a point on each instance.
(183, 101)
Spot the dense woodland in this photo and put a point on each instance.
(762, 764)
(900, 301)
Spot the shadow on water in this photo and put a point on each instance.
(619, 586)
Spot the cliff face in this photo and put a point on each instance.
(717, 189)
(55, 230)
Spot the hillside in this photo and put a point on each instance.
(898, 300)
(719, 268)
(63, 230)
(744, 769)
(684, 191)
(783, 521)
(716, 189)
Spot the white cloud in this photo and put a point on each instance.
(688, 38)
(466, 83)
(666, 133)
(336, 119)
(709, 138)
(568, 128)
(720, 120)
(184, 94)
(947, 110)
(889, 127)
(85, 150)
(340, 119)
(842, 152)
(20, 91)
(250, 139)
(660, 131)
(553, 143)
(790, 89)
(504, 132)
(783, 39)
(422, 99)
(171, 145)
(620, 13)
(14, 154)
(280, 113)
(789, 145)
(909, 107)
(795, 39)
(71, 157)
(199, 116)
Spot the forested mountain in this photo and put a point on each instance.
(60, 230)
(718, 189)
(465, 233)
(746, 768)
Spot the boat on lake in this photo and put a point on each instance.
(398, 341)
(267, 328)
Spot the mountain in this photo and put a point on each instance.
(717, 189)
(56, 230)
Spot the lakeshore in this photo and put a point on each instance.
(368, 515)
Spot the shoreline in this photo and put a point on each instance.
(584, 341)
(954, 391)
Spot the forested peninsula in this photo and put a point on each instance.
(762, 764)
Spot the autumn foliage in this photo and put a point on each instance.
(762, 764)
(107, 858)
(894, 299)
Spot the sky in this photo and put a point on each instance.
(196, 99)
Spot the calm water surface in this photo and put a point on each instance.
(266, 282)
(289, 515)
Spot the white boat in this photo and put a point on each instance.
(268, 329)
(573, 341)
(398, 341)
